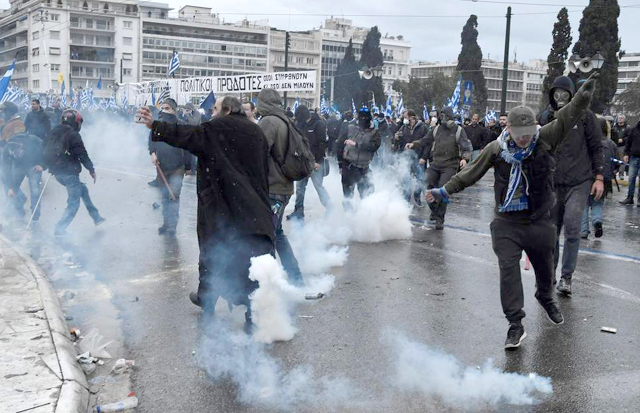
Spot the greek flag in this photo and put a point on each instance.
(174, 64)
(26, 102)
(63, 100)
(455, 98)
(209, 101)
(324, 108)
(400, 107)
(12, 95)
(425, 112)
(296, 104)
(353, 108)
(490, 116)
(125, 102)
(163, 95)
(4, 82)
(376, 110)
(112, 102)
(84, 98)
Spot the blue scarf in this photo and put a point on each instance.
(515, 155)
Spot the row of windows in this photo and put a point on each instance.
(201, 33)
(148, 70)
(52, 51)
(203, 59)
(202, 47)
(628, 64)
(90, 23)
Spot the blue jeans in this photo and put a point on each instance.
(634, 167)
(301, 188)
(35, 179)
(283, 248)
(596, 213)
(170, 208)
(76, 190)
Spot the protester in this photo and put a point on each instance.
(523, 168)
(64, 155)
(276, 126)
(250, 111)
(632, 158)
(234, 216)
(619, 134)
(10, 120)
(355, 151)
(477, 134)
(37, 121)
(333, 131)
(447, 148)
(578, 172)
(315, 129)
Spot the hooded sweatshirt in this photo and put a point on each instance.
(276, 132)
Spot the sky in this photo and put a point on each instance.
(432, 26)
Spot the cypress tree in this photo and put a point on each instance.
(371, 57)
(558, 55)
(470, 63)
(599, 33)
(347, 80)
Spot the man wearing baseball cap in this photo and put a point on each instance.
(523, 166)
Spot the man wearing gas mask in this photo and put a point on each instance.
(355, 150)
(524, 193)
(579, 172)
(447, 148)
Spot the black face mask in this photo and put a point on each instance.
(364, 123)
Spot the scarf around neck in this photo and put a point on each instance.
(515, 155)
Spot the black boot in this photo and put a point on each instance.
(296, 214)
(627, 201)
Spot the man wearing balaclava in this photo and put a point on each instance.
(355, 150)
(447, 148)
(579, 172)
(523, 166)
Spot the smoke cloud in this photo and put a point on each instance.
(421, 370)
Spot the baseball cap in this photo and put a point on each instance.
(522, 120)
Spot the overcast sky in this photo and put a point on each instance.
(434, 32)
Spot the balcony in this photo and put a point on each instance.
(10, 46)
(92, 27)
(84, 43)
(18, 29)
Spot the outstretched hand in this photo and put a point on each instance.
(590, 85)
(144, 116)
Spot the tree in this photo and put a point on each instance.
(599, 33)
(434, 90)
(470, 63)
(558, 55)
(371, 57)
(628, 102)
(347, 80)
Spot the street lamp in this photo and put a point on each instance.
(585, 64)
(597, 60)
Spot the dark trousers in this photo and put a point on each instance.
(509, 238)
(224, 269)
(567, 212)
(360, 177)
(170, 208)
(436, 178)
(285, 252)
(76, 190)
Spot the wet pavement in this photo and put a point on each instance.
(439, 288)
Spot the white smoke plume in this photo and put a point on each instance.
(421, 370)
(272, 304)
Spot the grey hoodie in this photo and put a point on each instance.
(275, 130)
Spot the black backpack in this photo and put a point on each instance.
(298, 160)
(55, 149)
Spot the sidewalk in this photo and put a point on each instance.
(38, 368)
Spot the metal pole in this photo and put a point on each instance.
(505, 70)
(42, 192)
(121, 60)
(287, 39)
(333, 81)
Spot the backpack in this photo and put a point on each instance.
(435, 130)
(55, 150)
(298, 161)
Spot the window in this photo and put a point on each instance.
(127, 41)
(36, 35)
(88, 23)
(127, 56)
(55, 67)
(633, 63)
(54, 17)
(36, 84)
(35, 51)
(126, 72)
(399, 71)
(127, 24)
(54, 51)
(36, 68)
(54, 34)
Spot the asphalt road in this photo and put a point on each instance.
(438, 288)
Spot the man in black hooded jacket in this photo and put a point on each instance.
(579, 172)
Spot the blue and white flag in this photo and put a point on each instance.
(99, 85)
(163, 95)
(209, 101)
(112, 102)
(4, 82)
(12, 94)
(324, 108)
(468, 94)
(296, 105)
(125, 101)
(84, 98)
(174, 64)
(353, 108)
(425, 112)
(400, 107)
(388, 111)
(492, 115)
(376, 110)
(63, 101)
(26, 102)
(454, 102)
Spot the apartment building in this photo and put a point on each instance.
(628, 71)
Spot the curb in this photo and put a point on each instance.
(74, 392)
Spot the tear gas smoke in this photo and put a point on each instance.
(272, 304)
(420, 369)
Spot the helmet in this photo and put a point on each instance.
(72, 117)
(364, 113)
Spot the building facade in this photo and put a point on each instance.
(628, 71)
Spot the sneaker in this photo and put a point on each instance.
(627, 201)
(564, 286)
(297, 214)
(195, 299)
(153, 183)
(515, 335)
(553, 313)
(598, 227)
(99, 221)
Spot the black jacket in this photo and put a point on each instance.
(579, 157)
(419, 131)
(620, 132)
(233, 175)
(632, 147)
(38, 123)
(170, 158)
(21, 152)
(315, 130)
(76, 155)
(478, 135)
